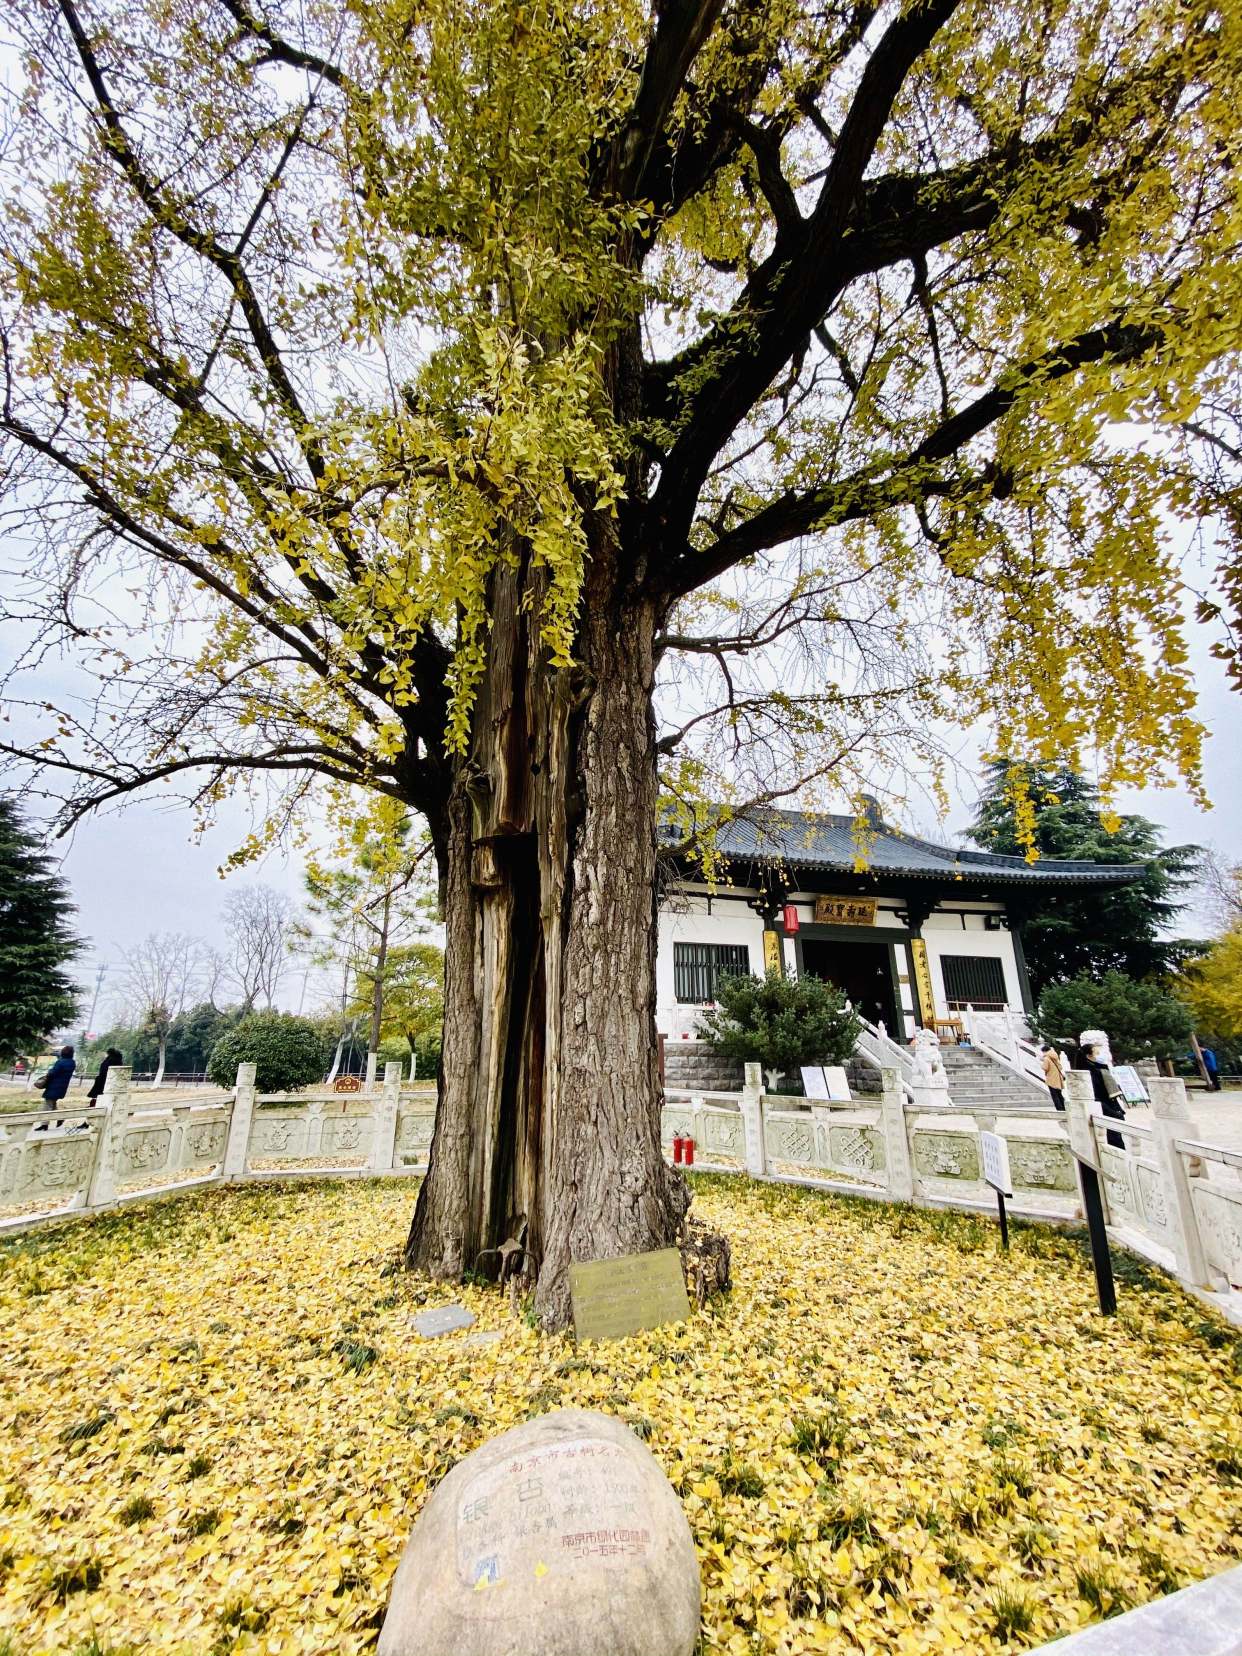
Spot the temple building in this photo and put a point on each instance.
(913, 937)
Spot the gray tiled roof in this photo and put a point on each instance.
(829, 842)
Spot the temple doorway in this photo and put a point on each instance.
(862, 971)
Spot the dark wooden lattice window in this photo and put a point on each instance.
(698, 967)
(973, 980)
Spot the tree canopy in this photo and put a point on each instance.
(1212, 988)
(314, 320)
(516, 409)
(37, 942)
(1142, 1020)
(1056, 812)
(288, 1052)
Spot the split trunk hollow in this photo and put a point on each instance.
(549, 1097)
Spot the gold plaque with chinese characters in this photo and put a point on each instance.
(845, 911)
(615, 1297)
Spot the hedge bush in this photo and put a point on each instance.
(780, 1022)
(288, 1052)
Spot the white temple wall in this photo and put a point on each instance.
(685, 918)
(944, 935)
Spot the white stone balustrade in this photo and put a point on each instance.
(137, 1144)
(1167, 1196)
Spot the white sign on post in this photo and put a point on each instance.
(828, 1084)
(1133, 1089)
(996, 1162)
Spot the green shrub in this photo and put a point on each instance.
(1142, 1020)
(288, 1052)
(780, 1022)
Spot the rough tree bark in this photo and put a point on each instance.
(549, 1102)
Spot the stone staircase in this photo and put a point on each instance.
(978, 1082)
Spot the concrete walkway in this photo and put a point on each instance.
(1217, 1116)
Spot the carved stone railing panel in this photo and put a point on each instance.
(344, 1136)
(204, 1141)
(1041, 1164)
(1218, 1210)
(952, 1155)
(675, 1122)
(413, 1140)
(144, 1153)
(273, 1135)
(54, 1167)
(790, 1137)
(855, 1150)
(723, 1135)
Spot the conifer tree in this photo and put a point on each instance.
(1056, 811)
(37, 942)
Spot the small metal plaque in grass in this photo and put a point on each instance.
(615, 1297)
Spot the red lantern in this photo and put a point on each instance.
(791, 918)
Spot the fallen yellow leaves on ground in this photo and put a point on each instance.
(217, 1426)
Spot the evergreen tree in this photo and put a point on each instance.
(1070, 934)
(1142, 1019)
(780, 1022)
(36, 941)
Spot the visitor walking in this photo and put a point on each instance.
(1212, 1067)
(1054, 1075)
(55, 1083)
(110, 1058)
(1107, 1090)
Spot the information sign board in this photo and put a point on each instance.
(615, 1297)
(1133, 1087)
(996, 1163)
(827, 1083)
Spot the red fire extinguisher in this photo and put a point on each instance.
(687, 1151)
(677, 1144)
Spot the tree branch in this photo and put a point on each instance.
(914, 479)
(280, 50)
(681, 28)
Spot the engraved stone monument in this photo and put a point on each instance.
(562, 1537)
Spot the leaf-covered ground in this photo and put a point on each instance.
(217, 1427)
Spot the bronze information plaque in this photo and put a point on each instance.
(615, 1297)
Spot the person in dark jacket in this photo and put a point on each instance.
(1107, 1090)
(111, 1057)
(1212, 1066)
(55, 1083)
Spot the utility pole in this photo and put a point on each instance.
(90, 1017)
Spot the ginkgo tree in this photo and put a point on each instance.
(520, 408)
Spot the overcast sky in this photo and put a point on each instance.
(142, 871)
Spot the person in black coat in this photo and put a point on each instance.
(1107, 1092)
(55, 1083)
(111, 1057)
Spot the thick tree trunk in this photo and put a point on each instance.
(549, 1102)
